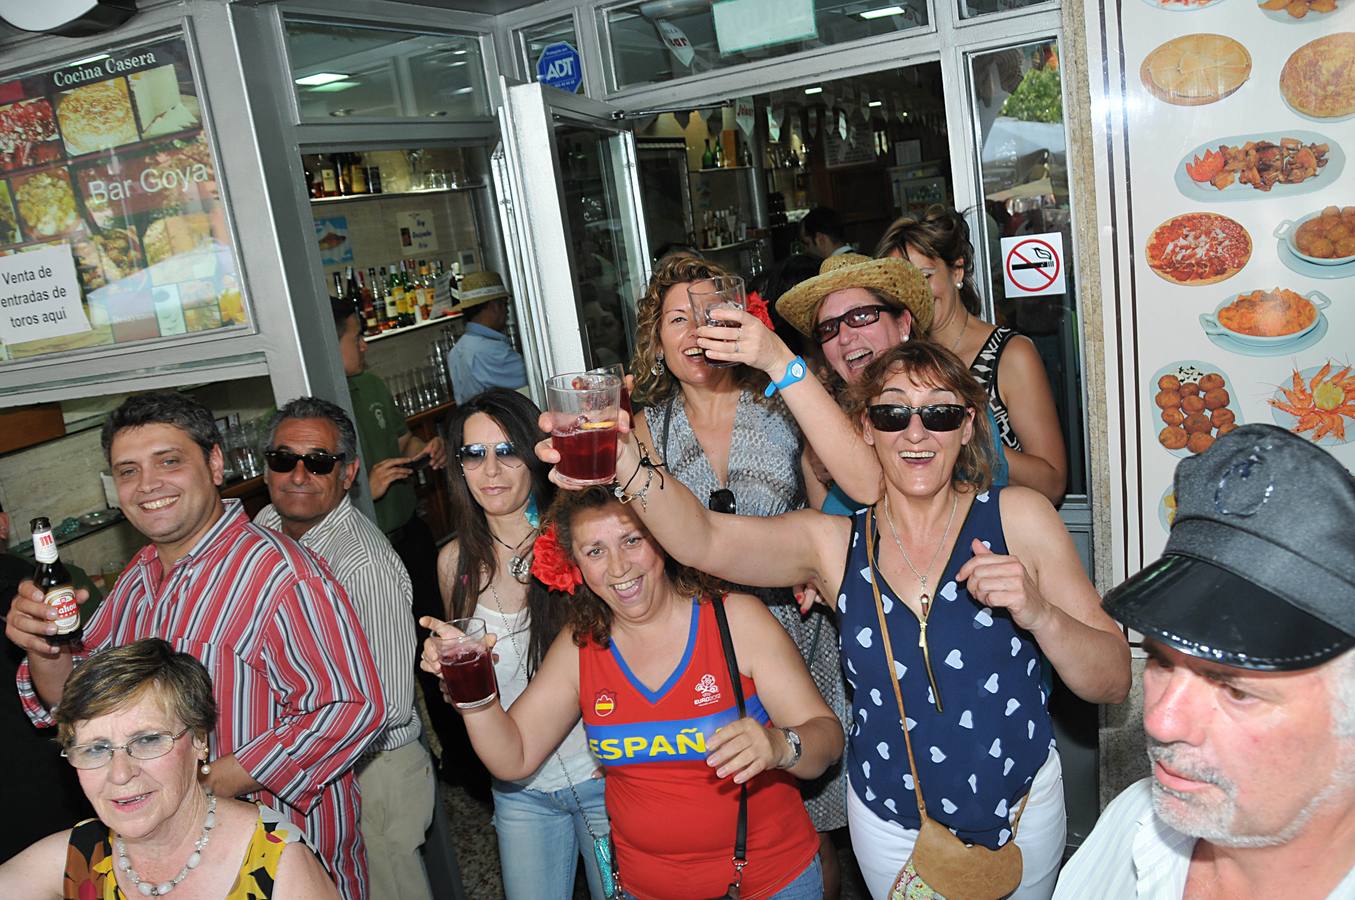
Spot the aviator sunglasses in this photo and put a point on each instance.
(317, 462)
(722, 501)
(935, 417)
(473, 455)
(857, 317)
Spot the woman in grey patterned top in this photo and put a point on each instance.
(742, 453)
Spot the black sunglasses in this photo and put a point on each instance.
(857, 317)
(473, 455)
(935, 417)
(317, 463)
(722, 501)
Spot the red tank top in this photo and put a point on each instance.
(673, 820)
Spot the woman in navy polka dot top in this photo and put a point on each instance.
(978, 586)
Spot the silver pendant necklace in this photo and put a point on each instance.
(520, 564)
(194, 859)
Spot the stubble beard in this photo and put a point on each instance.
(1219, 819)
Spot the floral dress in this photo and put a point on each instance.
(89, 860)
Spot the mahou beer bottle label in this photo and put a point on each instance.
(62, 599)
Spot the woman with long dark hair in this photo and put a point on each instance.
(545, 820)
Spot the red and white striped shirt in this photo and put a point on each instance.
(296, 688)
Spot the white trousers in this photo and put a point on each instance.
(398, 793)
(882, 848)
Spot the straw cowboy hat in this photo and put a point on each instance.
(477, 288)
(898, 280)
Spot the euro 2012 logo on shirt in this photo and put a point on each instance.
(604, 703)
(709, 691)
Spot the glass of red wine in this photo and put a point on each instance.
(467, 668)
(717, 292)
(583, 409)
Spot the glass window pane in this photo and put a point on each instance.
(342, 71)
(1019, 104)
(106, 164)
(969, 9)
(646, 46)
(534, 39)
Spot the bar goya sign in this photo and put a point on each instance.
(109, 159)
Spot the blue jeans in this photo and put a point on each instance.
(542, 834)
(808, 885)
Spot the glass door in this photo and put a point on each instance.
(569, 200)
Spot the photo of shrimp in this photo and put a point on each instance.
(1193, 403)
(1317, 402)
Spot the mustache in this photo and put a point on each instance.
(1175, 757)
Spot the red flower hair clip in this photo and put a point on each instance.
(551, 564)
(757, 308)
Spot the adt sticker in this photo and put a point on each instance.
(1032, 265)
(559, 66)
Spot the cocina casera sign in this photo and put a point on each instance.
(68, 18)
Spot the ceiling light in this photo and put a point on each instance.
(320, 78)
(334, 87)
(464, 90)
(814, 90)
(882, 12)
(875, 103)
(342, 113)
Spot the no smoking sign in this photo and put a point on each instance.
(1032, 265)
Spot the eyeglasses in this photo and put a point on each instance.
(473, 455)
(100, 753)
(936, 417)
(722, 501)
(858, 317)
(317, 463)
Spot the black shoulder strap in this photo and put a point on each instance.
(741, 833)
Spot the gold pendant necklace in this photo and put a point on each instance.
(926, 599)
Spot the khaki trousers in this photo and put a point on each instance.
(398, 793)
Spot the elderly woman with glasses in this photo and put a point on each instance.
(549, 817)
(973, 586)
(133, 721)
(736, 445)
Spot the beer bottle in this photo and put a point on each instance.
(54, 581)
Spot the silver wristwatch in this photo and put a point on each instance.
(794, 740)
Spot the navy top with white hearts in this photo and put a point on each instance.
(978, 757)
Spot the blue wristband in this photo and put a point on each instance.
(796, 370)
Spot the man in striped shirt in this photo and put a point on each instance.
(293, 675)
(312, 462)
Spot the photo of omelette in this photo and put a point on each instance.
(1318, 79)
(96, 116)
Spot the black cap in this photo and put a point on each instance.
(1259, 570)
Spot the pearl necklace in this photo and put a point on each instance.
(194, 859)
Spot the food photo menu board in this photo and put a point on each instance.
(1222, 130)
(109, 157)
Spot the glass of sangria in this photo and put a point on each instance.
(467, 668)
(583, 408)
(710, 294)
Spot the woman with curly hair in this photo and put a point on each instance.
(947, 589)
(548, 816)
(1006, 363)
(642, 661)
(738, 445)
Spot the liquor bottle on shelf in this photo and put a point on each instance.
(719, 160)
(370, 323)
(357, 174)
(350, 286)
(423, 289)
(708, 158)
(393, 300)
(338, 285)
(373, 179)
(329, 180)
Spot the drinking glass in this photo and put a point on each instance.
(583, 408)
(717, 292)
(467, 668)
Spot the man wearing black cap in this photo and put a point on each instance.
(1249, 690)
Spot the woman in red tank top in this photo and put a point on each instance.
(642, 661)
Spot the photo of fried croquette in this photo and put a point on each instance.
(1193, 403)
